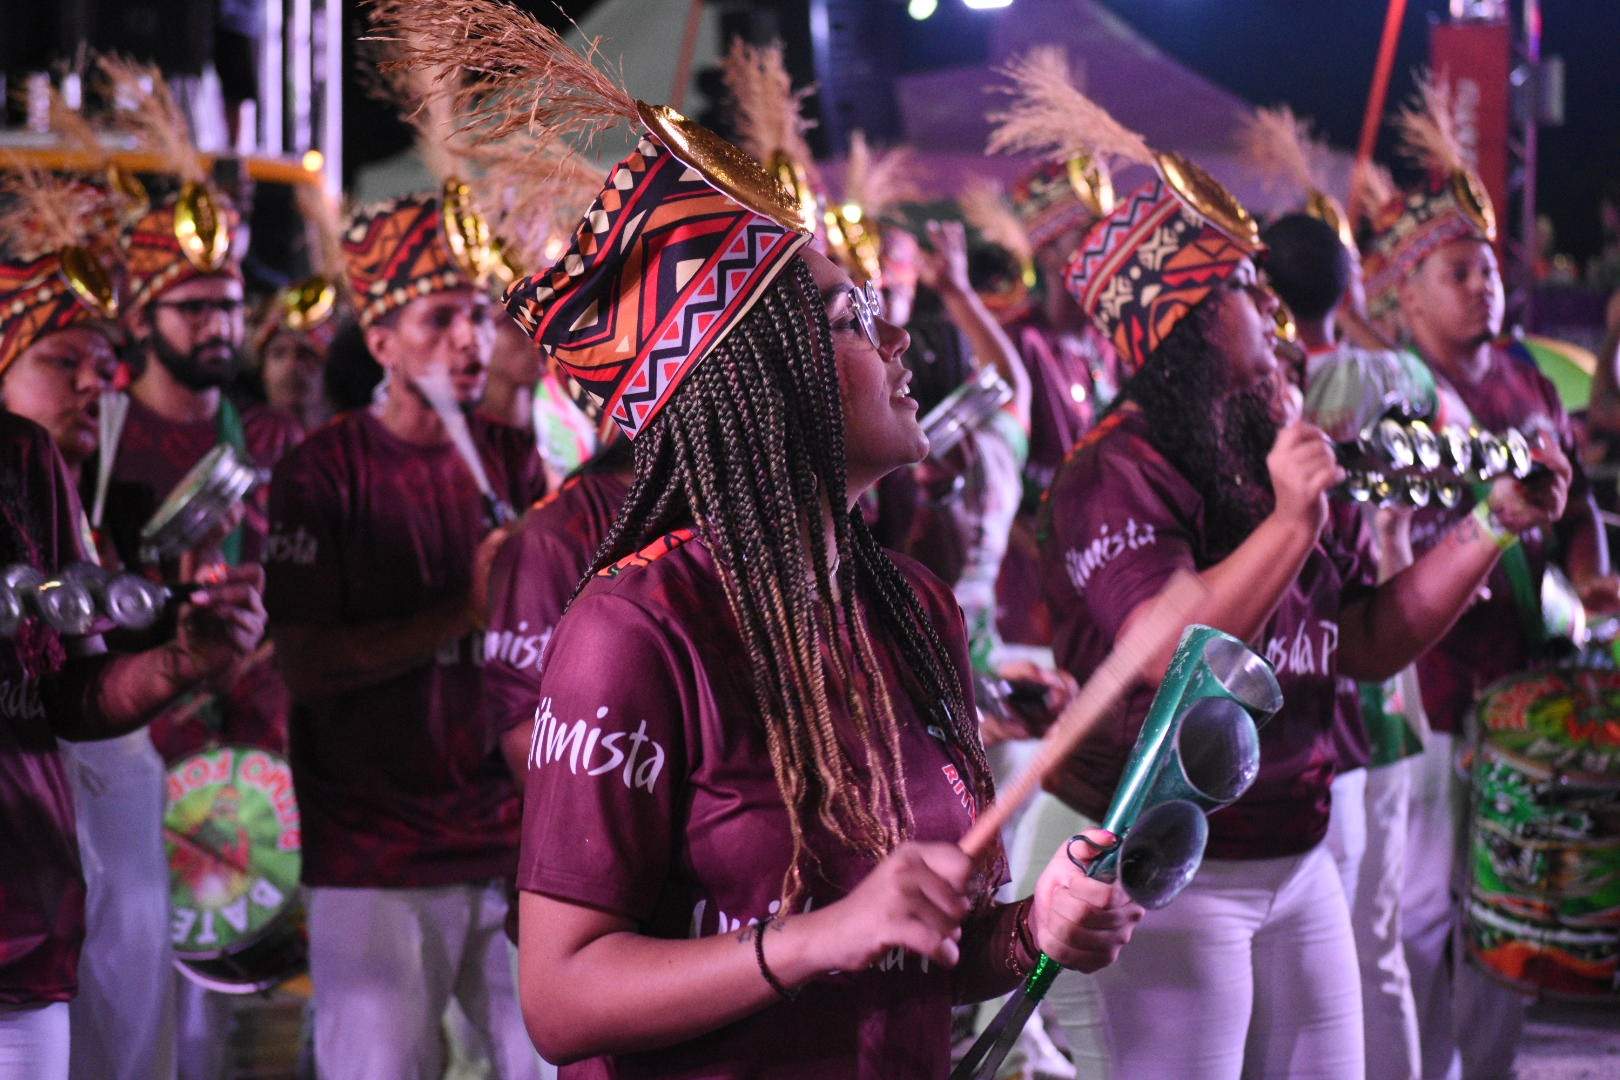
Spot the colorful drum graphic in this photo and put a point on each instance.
(232, 833)
(1543, 907)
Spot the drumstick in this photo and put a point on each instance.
(435, 388)
(110, 416)
(1156, 631)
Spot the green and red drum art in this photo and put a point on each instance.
(232, 833)
(1543, 911)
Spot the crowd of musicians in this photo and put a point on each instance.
(666, 777)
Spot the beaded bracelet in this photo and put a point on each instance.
(759, 954)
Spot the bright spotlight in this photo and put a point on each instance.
(921, 9)
(986, 5)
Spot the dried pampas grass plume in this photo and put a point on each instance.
(502, 72)
(1280, 145)
(1371, 186)
(1049, 116)
(986, 209)
(878, 181)
(323, 230)
(1428, 128)
(533, 195)
(44, 212)
(147, 107)
(74, 130)
(769, 113)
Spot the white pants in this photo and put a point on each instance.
(34, 1042)
(385, 963)
(1367, 839)
(1470, 1026)
(1251, 972)
(123, 1020)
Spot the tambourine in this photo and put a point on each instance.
(1400, 460)
(963, 409)
(199, 504)
(82, 599)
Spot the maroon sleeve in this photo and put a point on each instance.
(1352, 545)
(303, 564)
(1117, 526)
(607, 762)
(531, 581)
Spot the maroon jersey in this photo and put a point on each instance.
(650, 794)
(398, 783)
(1123, 520)
(1070, 382)
(1489, 640)
(531, 581)
(153, 456)
(41, 883)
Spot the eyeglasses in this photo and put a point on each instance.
(867, 303)
(197, 311)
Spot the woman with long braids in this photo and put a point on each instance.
(755, 743)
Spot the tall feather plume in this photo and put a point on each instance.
(148, 108)
(1428, 128)
(503, 73)
(878, 180)
(44, 212)
(323, 229)
(769, 113)
(1049, 116)
(74, 130)
(1371, 186)
(1280, 145)
(424, 95)
(986, 209)
(533, 194)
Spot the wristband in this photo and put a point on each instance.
(1021, 950)
(1502, 538)
(759, 954)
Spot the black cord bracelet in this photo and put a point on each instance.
(759, 954)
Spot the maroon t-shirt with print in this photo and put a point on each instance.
(650, 795)
(1123, 520)
(41, 882)
(531, 581)
(1489, 640)
(154, 454)
(398, 782)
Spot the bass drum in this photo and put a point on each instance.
(232, 834)
(1543, 856)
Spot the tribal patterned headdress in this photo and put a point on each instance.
(189, 234)
(413, 246)
(50, 278)
(1450, 204)
(683, 238)
(310, 307)
(1072, 187)
(1159, 251)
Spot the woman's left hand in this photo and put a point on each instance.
(1077, 921)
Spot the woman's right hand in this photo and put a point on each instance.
(1303, 469)
(915, 900)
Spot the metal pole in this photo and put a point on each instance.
(272, 80)
(332, 93)
(300, 50)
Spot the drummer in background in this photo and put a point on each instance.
(378, 558)
(1253, 969)
(1431, 257)
(1346, 388)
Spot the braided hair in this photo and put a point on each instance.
(750, 453)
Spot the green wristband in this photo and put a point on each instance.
(1493, 528)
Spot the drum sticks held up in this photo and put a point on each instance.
(1151, 635)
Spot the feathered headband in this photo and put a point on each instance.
(1280, 146)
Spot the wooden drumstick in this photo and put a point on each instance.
(1154, 633)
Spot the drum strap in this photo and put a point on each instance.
(228, 425)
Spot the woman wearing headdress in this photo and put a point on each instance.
(1252, 971)
(755, 741)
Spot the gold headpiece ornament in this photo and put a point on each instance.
(1428, 133)
(874, 183)
(1279, 144)
(1050, 117)
(985, 207)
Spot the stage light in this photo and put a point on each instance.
(921, 9)
(314, 161)
(986, 5)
